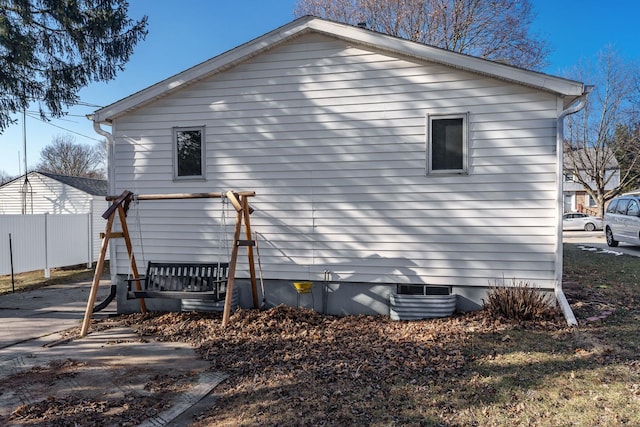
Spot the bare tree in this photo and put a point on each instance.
(605, 132)
(66, 157)
(5, 177)
(498, 30)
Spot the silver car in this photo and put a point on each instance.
(581, 221)
(622, 220)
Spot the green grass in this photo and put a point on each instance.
(35, 279)
(584, 376)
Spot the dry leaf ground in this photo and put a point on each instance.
(291, 367)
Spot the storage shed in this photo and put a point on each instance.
(377, 163)
(49, 193)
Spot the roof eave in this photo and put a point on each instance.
(561, 86)
(203, 70)
(567, 89)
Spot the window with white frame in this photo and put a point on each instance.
(447, 143)
(188, 154)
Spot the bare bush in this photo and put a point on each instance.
(519, 301)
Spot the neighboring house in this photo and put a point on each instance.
(44, 192)
(376, 161)
(575, 197)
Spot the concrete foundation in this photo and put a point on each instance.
(333, 298)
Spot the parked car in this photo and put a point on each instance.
(622, 220)
(581, 221)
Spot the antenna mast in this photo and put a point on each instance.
(26, 186)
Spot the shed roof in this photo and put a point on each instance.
(92, 186)
(568, 89)
(95, 187)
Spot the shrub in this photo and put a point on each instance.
(519, 301)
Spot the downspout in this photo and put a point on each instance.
(560, 297)
(110, 180)
(110, 146)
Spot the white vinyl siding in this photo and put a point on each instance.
(50, 196)
(45, 195)
(331, 137)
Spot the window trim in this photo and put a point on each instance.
(465, 144)
(174, 144)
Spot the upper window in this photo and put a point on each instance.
(447, 144)
(188, 153)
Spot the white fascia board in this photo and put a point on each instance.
(198, 72)
(542, 81)
(563, 87)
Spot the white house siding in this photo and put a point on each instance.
(50, 196)
(331, 137)
(47, 196)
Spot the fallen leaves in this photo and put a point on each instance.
(323, 369)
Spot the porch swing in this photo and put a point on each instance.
(182, 280)
(206, 281)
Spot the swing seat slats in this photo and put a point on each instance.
(206, 281)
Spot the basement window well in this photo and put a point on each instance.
(423, 290)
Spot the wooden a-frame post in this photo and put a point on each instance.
(121, 206)
(243, 210)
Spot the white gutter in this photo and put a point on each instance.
(110, 180)
(110, 147)
(560, 297)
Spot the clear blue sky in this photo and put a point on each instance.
(185, 33)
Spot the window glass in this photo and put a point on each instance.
(189, 152)
(612, 206)
(447, 141)
(622, 206)
(633, 208)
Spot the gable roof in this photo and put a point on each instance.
(92, 186)
(585, 156)
(568, 89)
(95, 187)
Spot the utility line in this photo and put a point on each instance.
(60, 118)
(60, 127)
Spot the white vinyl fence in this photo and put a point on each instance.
(42, 242)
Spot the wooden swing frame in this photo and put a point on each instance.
(120, 206)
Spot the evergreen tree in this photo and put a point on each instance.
(50, 49)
